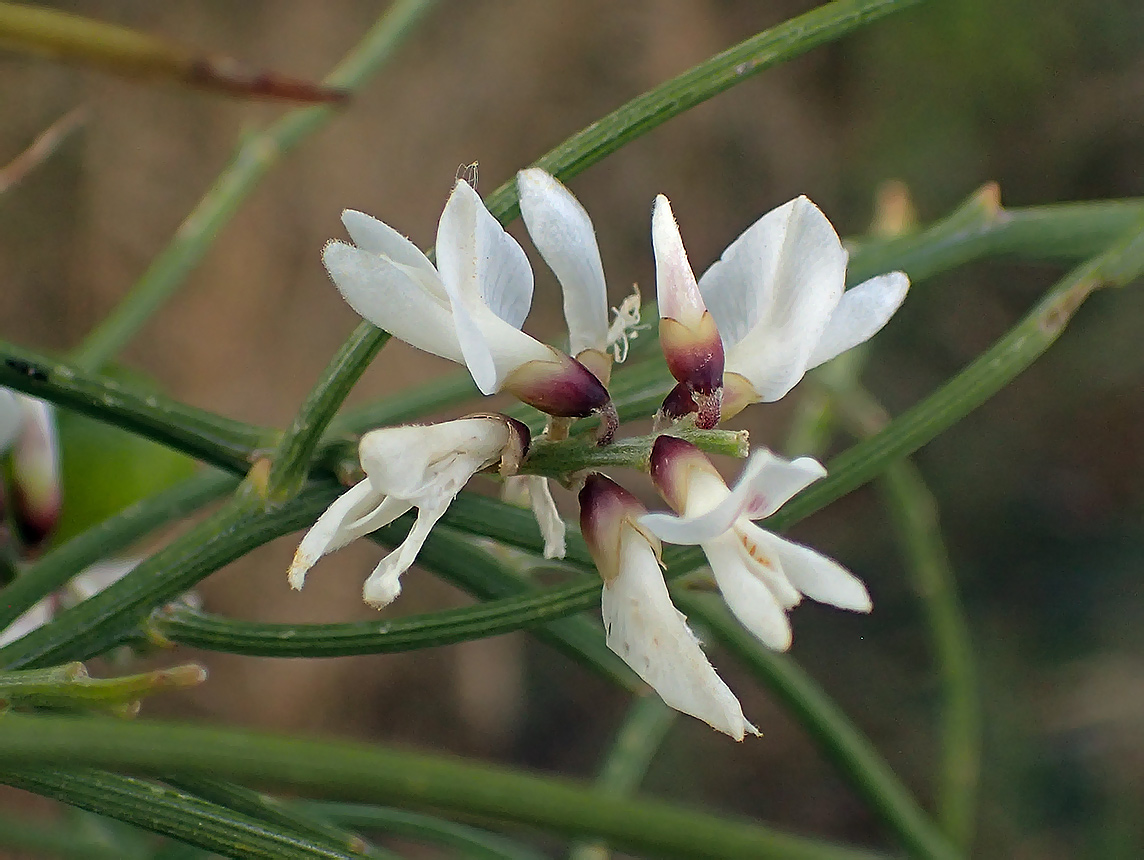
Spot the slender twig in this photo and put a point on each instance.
(255, 156)
(375, 774)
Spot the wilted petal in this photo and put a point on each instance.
(860, 314)
(389, 296)
(646, 630)
(562, 232)
(552, 526)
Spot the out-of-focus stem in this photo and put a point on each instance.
(255, 156)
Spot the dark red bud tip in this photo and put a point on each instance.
(564, 388)
(678, 403)
(709, 405)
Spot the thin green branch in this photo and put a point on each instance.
(107, 538)
(41, 837)
(208, 437)
(374, 774)
(847, 747)
(255, 156)
(289, 816)
(471, 843)
(786, 41)
(168, 811)
(643, 732)
(914, 513)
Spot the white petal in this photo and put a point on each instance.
(99, 576)
(676, 290)
(765, 485)
(384, 584)
(818, 577)
(387, 295)
(331, 531)
(379, 238)
(863, 310)
(489, 282)
(772, 292)
(478, 260)
(11, 418)
(562, 232)
(646, 630)
(551, 524)
(749, 597)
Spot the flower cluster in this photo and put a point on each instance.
(772, 307)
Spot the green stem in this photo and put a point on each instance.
(914, 513)
(790, 39)
(111, 536)
(292, 459)
(469, 842)
(569, 456)
(255, 156)
(850, 750)
(54, 838)
(374, 774)
(70, 686)
(168, 811)
(220, 441)
(289, 816)
(915, 517)
(645, 728)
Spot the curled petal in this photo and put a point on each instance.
(765, 485)
(860, 314)
(646, 630)
(392, 298)
(384, 584)
(479, 262)
(334, 529)
(563, 233)
(547, 516)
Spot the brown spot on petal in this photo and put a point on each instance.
(754, 552)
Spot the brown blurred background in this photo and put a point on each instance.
(1040, 490)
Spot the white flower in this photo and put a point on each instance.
(759, 574)
(643, 626)
(687, 331)
(406, 467)
(777, 295)
(469, 308)
(28, 433)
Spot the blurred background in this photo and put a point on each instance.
(1041, 491)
